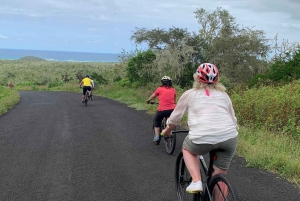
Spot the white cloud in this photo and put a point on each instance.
(97, 17)
(4, 37)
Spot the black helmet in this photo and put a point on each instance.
(87, 76)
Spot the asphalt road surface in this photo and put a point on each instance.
(52, 147)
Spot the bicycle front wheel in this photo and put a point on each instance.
(182, 180)
(220, 189)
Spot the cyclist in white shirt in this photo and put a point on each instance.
(211, 120)
(92, 86)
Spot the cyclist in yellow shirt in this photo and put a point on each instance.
(86, 82)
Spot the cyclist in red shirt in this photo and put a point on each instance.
(166, 95)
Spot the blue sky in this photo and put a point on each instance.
(105, 26)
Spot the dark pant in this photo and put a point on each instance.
(160, 115)
(86, 88)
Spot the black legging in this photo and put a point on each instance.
(160, 115)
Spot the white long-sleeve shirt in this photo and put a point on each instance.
(211, 118)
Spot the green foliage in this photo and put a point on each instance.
(286, 68)
(65, 78)
(31, 58)
(99, 78)
(8, 99)
(139, 67)
(79, 75)
(276, 109)
(55, 84)
(282, 70)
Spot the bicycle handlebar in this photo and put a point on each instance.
(180, 131)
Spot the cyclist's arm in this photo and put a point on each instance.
(151, 97)
(80, 83)
(180, 109)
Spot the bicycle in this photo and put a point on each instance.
(86, 97)
(216, 188)
(170, 142)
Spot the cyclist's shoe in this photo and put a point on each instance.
(156, 138)
(195, 187)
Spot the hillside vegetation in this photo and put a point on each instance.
(31, 58)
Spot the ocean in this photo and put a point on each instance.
(14, 54)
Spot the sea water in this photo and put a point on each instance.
(14, 54)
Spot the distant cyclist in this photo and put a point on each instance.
(92, 86)
(86, 83)
(166, 95)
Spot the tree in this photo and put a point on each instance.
(158, 39)
(239, 53)
(140, 67)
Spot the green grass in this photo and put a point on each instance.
(8, 99)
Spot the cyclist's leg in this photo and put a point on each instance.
(191, 152)
(83, 93)
(157, 124)
(222, 163)
(89, 90)
(192, 164)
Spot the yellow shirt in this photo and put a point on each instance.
(86, 82)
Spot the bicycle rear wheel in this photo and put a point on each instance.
(170, 143)
(220, 189)
(182, 180)
(86, 99)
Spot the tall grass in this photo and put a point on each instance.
(8, 99)
(276, 109)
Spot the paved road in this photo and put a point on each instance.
(54, 148)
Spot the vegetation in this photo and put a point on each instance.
(31, 58)
(8, 99)
(263, 91)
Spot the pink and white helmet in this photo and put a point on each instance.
(207, 73)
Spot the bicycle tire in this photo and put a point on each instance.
(170, 143)
(182, 180)
(226, 193)
(86, 99)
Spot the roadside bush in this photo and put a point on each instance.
(276, 109)
(99, 78)
(139, 68)
(55, 84)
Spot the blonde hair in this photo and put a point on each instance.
(198, 85)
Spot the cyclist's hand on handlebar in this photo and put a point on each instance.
(148, 101)
(166, 133)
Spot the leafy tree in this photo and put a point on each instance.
(99, 78)
(140, 68)
(286, 68)
(177, 63)
(159, 39)
(239, 53)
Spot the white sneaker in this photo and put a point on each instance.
(195, 187)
